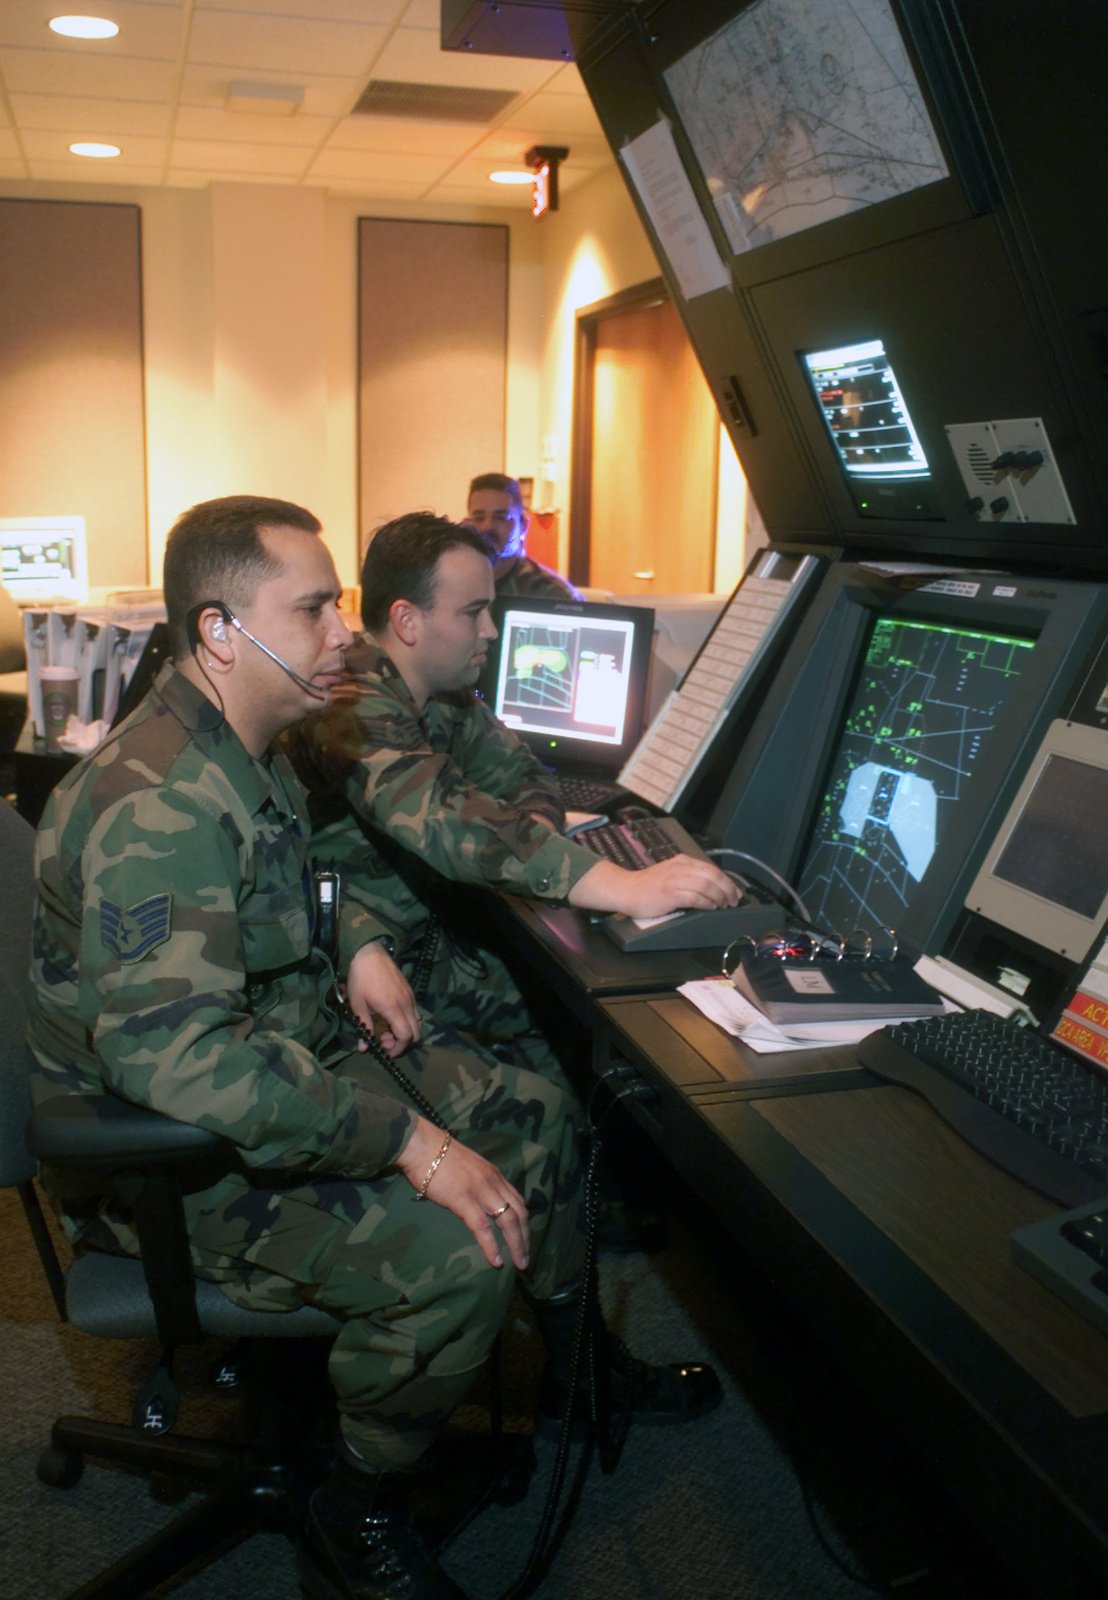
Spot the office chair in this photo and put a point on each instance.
(146, 1157)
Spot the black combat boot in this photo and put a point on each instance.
(358, 1541)
(627, 1390)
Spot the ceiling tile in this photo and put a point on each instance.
(400, 133)
(233, 127)
(98, 77)
(215, 157)
(393, 168)
(556, 113)
(150, 31)
(375, 188)
(166, 78)
(382, 13)
(424, 14)
(72, 112)
(117, 173)
(187, 178)
(283, 44)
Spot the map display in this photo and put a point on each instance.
(915, 733)
(568, 678)
(801, 111)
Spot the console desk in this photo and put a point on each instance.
(890, 1237)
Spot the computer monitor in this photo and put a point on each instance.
(800, 114)
(871, 429)
(44, 559)
(914, 739)
(1045, 876)
(570, 678)
(895, 735)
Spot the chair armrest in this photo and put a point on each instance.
(101, 1131)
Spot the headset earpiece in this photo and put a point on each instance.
(219, 629)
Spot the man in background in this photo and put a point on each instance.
(495, 507)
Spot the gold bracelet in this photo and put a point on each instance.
(432, 1169)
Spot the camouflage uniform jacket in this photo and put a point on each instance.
(532, 581)
(400, 799)
(172, 958)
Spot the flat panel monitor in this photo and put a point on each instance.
(570, 678)
(871, 430)
(44, 559)
(895, 734)
(914, 738)
(800, 112)
(1046, 873)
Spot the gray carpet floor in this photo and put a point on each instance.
(714, 1509)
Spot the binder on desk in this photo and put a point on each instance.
(835, 991)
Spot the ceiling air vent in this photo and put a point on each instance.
(436, 102)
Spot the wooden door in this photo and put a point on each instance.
(654, 457)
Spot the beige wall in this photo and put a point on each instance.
(249, 301)
(593, 247)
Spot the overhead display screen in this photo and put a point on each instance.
(802, 111)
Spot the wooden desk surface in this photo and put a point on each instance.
(892, 1157)
(952, 1213)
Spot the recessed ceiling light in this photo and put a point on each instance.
(511, 177)
(99, 152)
(85, 27)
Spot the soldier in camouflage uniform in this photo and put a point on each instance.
(412, 781)
(495, 507)
(174, 965)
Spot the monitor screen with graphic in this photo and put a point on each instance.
(570, 678)
(913, 740)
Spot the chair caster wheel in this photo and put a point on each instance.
(61, 1469)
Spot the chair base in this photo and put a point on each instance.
(248, 1500)
(248, 1488)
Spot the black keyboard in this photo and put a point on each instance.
(635, 844)
(588, 794)
(1021, 1101)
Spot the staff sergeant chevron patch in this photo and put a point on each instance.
(132, 932)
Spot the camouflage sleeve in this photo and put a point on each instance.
(192, 984)
(394, 781)
(530, 580)
(497, 762)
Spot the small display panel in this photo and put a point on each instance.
(865, 412)
(913, 736)
(1058, 848)
(1046, 874)
(571, 680)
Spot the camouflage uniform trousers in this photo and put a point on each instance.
(419, 1305)
(469, 986)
